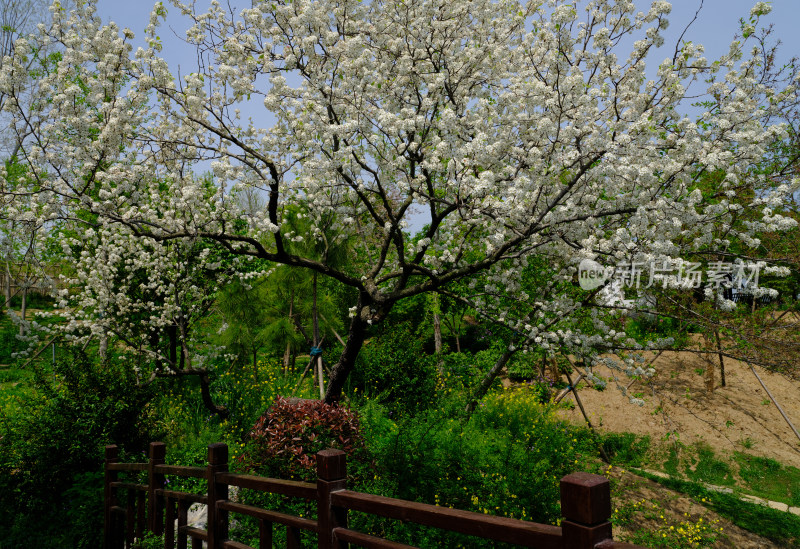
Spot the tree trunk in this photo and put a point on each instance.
(321, 380)
(155, 341)
(721, 358)
(555, 373)
(208, 402)
(172, 332)
(103, 350)
(356, 335)
(23, 310)
(437, 333)
(287, 355)
(487, 380)
(255, 365)
(7, 287)
(710, 376)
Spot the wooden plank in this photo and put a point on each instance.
(169, 524)
(293, 540)
(183, 514)
(228, 544)
(177, 470)
(292, 488)
(183, 496)
(365, 540)
(528, 534)
(195, 533)
(130, 486)
(126, 466)
(264, 534)
(270, 516)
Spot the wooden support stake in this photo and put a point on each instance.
(155, 481)
(597, 437)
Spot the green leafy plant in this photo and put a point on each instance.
(394, 369)
(51, 449)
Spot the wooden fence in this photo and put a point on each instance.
(132, 508)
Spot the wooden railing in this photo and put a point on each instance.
(132, 509)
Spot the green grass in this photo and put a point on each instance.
(745, 473)
(768, 479)
(626, 448)
(704, 466)
(14, 383)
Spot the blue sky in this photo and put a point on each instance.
(714, 28)
(716, 24)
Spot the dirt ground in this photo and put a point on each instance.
(739, 416)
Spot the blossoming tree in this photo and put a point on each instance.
(519, 129)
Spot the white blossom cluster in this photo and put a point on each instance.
(522, 129)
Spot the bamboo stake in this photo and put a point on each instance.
(588, 422)
(303, 376)
(775, 402)
(566, 391)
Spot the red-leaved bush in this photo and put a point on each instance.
(284, 441)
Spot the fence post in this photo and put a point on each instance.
(155, 481)
(109, 498)
(217, 519)
(331, 477)
(586, 507)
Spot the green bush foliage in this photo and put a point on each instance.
(9, 344)
(51, 455)
(393, 369)
(507, 459)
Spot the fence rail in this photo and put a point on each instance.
(134, 508)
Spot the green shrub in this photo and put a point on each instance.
(507, 459)
(245, 396)
(393, 369)
(51, 450)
